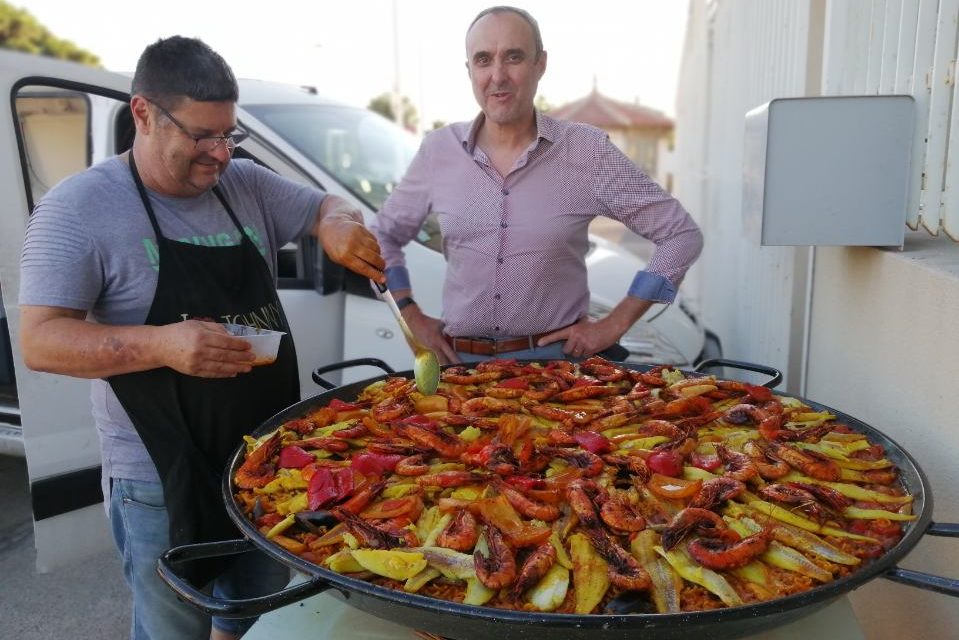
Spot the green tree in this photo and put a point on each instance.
(383, 105)
(20, 31)
(542, 104)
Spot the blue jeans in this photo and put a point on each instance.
(140, 526)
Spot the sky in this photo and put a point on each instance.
(630, 49)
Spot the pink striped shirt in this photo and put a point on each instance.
(516, 245)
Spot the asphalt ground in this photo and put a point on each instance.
(88, 599)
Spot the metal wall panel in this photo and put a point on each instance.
(748, 53)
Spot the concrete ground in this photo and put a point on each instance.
(87, 600)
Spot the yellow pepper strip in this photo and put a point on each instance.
(643, 443)
(853, 491)
(561, 556)
(811, 416)
(695, 473)
(590, 574)
(755, 572)
(421, 579)
(390, 563)
(477, 593)
(803, 523)
(343, 562)
(686, 567)
(666, 584)
(551, 590)
(842, 460)
(281, 526)
(788, 558)
(297, 503)
(438, 526)
(470, 434)
(400, 490)
(877, 514)
(804, 541)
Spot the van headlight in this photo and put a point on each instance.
(644, 343)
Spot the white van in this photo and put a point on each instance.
(61, 117)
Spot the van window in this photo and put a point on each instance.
(54, 126)
(363, 151)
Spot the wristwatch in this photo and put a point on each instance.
(404, 302)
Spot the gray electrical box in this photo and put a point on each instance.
(828, 170)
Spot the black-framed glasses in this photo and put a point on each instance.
(205, 144)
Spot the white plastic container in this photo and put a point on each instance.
(264, 342)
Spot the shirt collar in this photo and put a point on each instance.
(545, 130)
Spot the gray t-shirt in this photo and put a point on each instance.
(90, 246)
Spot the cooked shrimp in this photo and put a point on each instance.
(461, 533)
(534, 567)
(720, 555)
(716, 491)
(769, 468)
(448, 479)
(808, 463)
(619, 514)
(527, 506)
(412, 466)
(498, 570)
(258, 469)
(446, 444)
(590, 463)
(461, 375)
(634, 465)
(739, 466)
(694, 520)
(485, 404)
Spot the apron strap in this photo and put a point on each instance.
(144, 196)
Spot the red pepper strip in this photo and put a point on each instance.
(375, 464)
(338, 405)
(343, 482)
(705, 462)
(514, 383)
(321, 490)
(593, 442)
(759, 394)
(294, 458)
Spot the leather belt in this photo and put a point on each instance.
(481, 346)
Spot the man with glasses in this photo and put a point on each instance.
(157, 247)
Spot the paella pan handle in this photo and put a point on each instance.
(775, 374)
(248, 608)
(336, 366)
(927, 581)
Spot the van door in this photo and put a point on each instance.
(59, 119)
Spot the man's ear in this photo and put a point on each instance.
(542, 64)
(142, 116)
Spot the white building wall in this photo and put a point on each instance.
(880, 341)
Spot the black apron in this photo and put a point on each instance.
(191, 425)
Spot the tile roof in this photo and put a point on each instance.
(606, 113)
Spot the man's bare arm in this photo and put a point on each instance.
(59, 340)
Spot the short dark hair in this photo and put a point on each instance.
(522, 13)
(174, 68)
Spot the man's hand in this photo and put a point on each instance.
(589, 336)
(340, 230)
(60, 340)
(429, 331)
(203, 349)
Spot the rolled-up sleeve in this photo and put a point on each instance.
(402, 215)
(632, 198)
